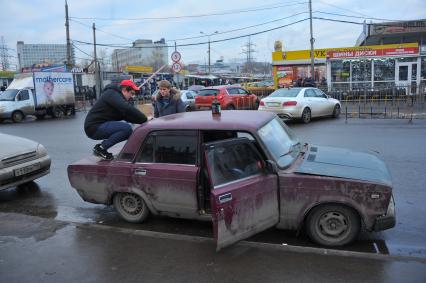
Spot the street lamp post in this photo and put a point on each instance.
(208, 35)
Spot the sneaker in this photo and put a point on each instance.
(98, 150)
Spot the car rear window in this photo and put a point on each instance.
(285, 92)
(208, 92)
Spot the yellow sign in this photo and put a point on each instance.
(138, 69)
(322, 53)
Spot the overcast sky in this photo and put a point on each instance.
(122, 22)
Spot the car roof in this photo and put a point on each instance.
(221, 87)
(245, 120)
(229, 119)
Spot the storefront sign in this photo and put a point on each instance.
(397, 27)
(388, 52)
(362, 51)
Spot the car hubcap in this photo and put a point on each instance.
(333, 224)
(131, 204)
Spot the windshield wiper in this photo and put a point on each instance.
(291, 150)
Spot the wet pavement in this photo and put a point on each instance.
(400, 144)
(34, 249)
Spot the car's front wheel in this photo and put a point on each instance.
(18, 116)
(306, 115)
(336, 111)
(333, 225)
(131, 207)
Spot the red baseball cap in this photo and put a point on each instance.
(129, 83)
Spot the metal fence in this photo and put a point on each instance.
(393, 102)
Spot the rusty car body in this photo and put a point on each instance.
(245, 171)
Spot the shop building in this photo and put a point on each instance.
(391, 54)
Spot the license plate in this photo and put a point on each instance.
(274, 104)
(26, 169)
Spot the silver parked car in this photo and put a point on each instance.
(300, 103)
(188, 97)
(21, 161)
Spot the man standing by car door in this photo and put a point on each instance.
(105, 119)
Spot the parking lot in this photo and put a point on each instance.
(399, 143)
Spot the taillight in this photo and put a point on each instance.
(220, 97)
(289, 103)
(262, 103)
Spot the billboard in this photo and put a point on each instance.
(54, 88)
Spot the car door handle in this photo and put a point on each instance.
(225, 198)
(140, 172)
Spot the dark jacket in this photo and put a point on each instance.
(172, 105)
(111, 106)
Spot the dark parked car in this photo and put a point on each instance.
(243, 172)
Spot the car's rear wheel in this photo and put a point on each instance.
(336, 111)
(306, 115)
(333, 225)
(57, 112)
(131, 207)
(230, 107)
(17, 116)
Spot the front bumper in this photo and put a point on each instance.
(388, 220)
(9, 178)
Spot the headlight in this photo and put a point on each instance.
(41, 151)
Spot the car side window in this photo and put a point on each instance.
(319, 93)
(233, 91)
(189, 95)
(23, 95)
(309, 93)
(170, 147)
(243, 91)
(232, 162)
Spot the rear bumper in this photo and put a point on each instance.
(288, 113)
(388, 220)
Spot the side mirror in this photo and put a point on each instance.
(271, 166)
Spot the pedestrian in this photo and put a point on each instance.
(167, 101)
(105, 120)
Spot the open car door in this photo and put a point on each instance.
(244, 196)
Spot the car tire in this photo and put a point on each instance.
(57, 112)
(306, 115)
(333, 225)
(131, 207)
(230, 107)
(256, 105)
(18, 116)
(40, 116)
(188, 109)
(336, 111)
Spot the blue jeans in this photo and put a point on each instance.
(112, 133)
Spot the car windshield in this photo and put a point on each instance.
(280, 142)
(285, 92)
(208, 92)
(8, 95)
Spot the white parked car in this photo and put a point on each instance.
(21, 161)
(300, 103)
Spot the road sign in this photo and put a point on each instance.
(176, 56)
(176, 67)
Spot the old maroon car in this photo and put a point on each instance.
(243, 171)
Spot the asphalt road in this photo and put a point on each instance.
(400, 144)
